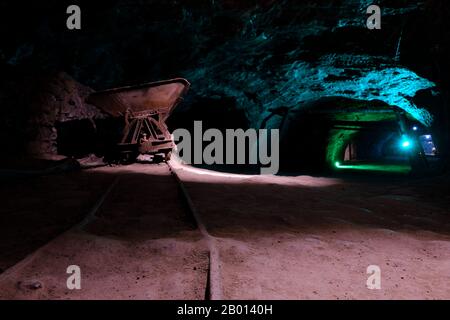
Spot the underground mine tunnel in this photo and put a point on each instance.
(209, 150)
(356, 135)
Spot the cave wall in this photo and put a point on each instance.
(58, 99)
(255, 56)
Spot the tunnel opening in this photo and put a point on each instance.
(344, 135)
(377, 148)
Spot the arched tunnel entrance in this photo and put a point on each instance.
(350, 135)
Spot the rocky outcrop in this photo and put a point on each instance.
(59, 98)
(296, 53)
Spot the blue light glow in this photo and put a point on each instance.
(405, 142)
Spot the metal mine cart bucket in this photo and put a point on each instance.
(144, 110)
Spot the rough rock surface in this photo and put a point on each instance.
(60, 99)
(254, 56)
(301, 58)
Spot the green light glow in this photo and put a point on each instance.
(337, 142)
(386, 168)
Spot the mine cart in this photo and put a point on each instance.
(144, 110)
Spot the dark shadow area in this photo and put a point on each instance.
(142, 207)
(76, 138)
(79, 138)
(304, 143)
(220, 113)
(37, 208)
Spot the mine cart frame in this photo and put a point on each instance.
(145, 132)
(144, 110)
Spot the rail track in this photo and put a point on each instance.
(214, 284)
(107, 202)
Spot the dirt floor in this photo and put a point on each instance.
(303, 237)
(35, 209)
(141, 245)
(279, 237)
